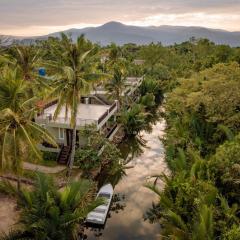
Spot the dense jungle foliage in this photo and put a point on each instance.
(199, 84)
(200, 199)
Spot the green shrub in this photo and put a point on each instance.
(87, 159)
(50, 156)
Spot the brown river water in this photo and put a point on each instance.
(127, 222)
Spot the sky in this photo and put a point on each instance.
(39, 17)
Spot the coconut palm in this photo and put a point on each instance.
(19, 135)
(134, 120)
(176, 210)
(115, 53)
(76, 75)
(25, 58)
(117, 84)
(66, 53)
(165, 212)
(50, 213)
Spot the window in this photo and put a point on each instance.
(61, 133)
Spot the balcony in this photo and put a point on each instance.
(131, 84)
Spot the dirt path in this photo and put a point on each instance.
(43, 169)
(8, 213)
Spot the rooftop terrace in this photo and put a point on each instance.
(87, 114)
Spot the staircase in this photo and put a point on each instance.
(101, 99)
(64, 155)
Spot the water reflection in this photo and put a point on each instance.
(126, 217)
(111, 175)
(132, 147)
(129, 148)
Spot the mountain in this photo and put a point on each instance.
(120, 34)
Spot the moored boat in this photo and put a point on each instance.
(99, 214)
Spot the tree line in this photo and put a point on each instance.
(200, 82)
(201, 196)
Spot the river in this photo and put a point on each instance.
(126, 222)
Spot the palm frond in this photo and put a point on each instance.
(227, 131)
(15, 235)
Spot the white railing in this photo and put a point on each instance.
(62, 120)
(108, 113)
(48, 118)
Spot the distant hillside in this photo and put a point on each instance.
(121, 34)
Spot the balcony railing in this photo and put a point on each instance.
(50, 104)
(62, 120)
(48, 118)
(111, 130)
(102, 117)
(108, 112)
(114, 105)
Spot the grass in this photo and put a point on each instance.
(49, 159)
(48, 163)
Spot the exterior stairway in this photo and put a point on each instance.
(101, 99)
(64, 155)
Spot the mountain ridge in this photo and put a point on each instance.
(121, 34)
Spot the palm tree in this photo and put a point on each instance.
(114, 54)
(25, 58)
(134, 120)
(117, 85)
(19, 135)
(204, 229)
(50, 213)
(76, 73)
(174, 227)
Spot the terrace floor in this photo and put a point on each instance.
(86, 112)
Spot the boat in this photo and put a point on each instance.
(99, 214)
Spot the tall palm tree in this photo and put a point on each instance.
(76, 69)
(50, 213)
(117, 84)
(25, 58)
(19, 135)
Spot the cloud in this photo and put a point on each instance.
(43, 16)
(221, 21)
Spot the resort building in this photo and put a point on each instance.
(96, 110)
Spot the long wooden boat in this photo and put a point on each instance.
(98, 215)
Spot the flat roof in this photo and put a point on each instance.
(85, 111)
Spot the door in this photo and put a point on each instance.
(69, 137)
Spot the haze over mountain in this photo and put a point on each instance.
(120, 34)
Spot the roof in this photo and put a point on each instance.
(88, 113)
